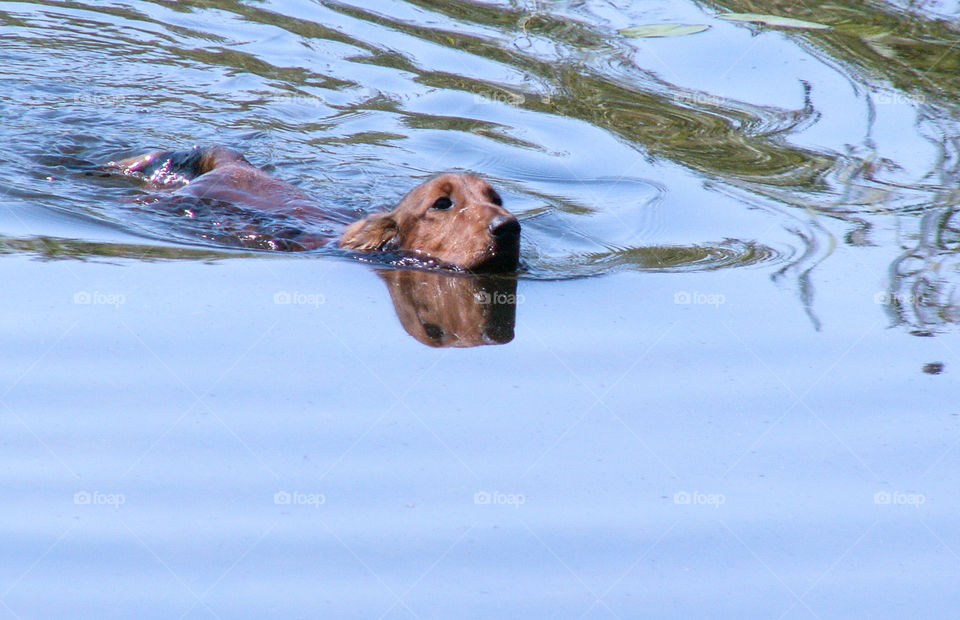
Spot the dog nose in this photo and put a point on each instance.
(504, 227)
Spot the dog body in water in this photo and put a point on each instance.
(457, 220)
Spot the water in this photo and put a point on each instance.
(719, 386)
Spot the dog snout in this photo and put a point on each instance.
(504, 227)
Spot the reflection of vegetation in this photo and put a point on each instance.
(877, 42)
(721, 140)
(50, 248)
(668, 258)
(882, 46)
(425, 121)
(925, 279)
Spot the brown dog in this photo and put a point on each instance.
(456, 219)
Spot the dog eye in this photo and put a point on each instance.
(443, 202)
(494, 197)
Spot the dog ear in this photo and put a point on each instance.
(377, 232)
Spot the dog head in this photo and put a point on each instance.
(456, 219)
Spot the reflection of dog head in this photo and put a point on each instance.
(443, 310)
(454, 218)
